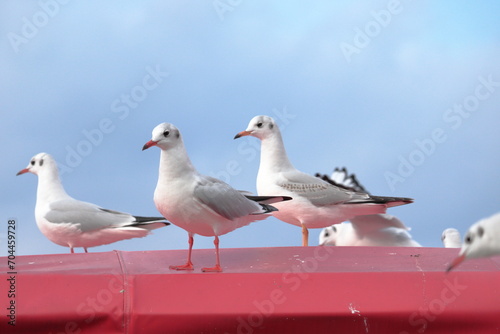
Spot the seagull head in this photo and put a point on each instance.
(165, 136)
(480, 241)
(451, 238)
(260, 127)
(38, 163)
(328, 236)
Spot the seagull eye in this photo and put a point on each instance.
(259, 125)
(166, 133)
(468, 239)
(327, 234)
(32, 162)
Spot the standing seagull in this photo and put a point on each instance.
(482, 240)
(451, 238)
(316, 203)
(72, 223)
(197, 203)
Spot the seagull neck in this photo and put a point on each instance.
(175, 163)
(273, 155)
(50, 187)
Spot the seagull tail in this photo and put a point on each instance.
(266, 208)
(149, 223)
(268, 199)
(389, 201)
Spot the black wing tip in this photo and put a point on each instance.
(268, 208)
(387, 199)
(383, 200)
(150, 222)
(358, 187)
(141, 219)
(266, 198)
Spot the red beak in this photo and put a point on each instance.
(149, 144)
(242, 133)
(22, 171)
(459, 259)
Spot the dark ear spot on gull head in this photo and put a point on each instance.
(41, 162)
(480, 231)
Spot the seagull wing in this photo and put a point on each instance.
(317, 191)
(86, 216)
(223, 199)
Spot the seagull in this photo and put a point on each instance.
(367, 230)
(328, 235)
(451, 238)
(197, 203)
(72, 223)
(315, 203)
(481, 240)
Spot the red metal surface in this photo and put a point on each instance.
(262, 290)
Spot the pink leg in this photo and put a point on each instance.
(217, 267)
(189, 264)
(305, 236)
(72, 250)
(86, 251)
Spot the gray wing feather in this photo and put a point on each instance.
(86, 216)
(317, 191)
(223, 199)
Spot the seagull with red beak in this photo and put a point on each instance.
(197, 203)
(316, 203)
(72, 223)
(481, 240)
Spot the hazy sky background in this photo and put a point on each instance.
(405, 94)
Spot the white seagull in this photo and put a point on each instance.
(72, 223)
(197, 203)
(368, 230)
(315, 203)
(481, 240)
(451, 238)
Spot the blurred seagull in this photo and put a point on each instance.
(451, 238)
(72, 223)
(368, 230)
(197, 203)
(481, 240)
(316, 203)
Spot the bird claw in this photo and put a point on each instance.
(215, 269)
(187, 266)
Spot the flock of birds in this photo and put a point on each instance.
(348, 214)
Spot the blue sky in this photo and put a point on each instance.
(411, 107)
